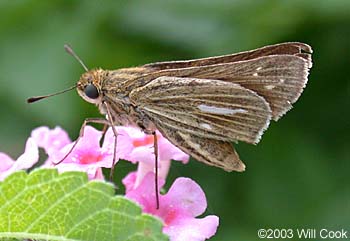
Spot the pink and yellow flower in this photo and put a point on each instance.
(87, 155)
(179, 207)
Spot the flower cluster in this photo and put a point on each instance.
(179, 207)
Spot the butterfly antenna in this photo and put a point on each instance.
(36, 98)
(70, 51)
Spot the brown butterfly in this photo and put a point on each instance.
(202, 105)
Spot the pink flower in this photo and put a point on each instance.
(184, 201)
(50, 140)
(87, 155)
(138, 147)
(25, 161)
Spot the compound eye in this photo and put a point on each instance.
(91, 91)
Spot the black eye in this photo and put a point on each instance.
(91, 91)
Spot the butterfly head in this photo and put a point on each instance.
(89, 86)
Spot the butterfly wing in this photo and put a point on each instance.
(212, 109)
(202, 116)
(291, 48)
(201, 105)
(280, 79)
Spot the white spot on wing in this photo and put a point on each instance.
(220, 110)
(196, 146)
(281, 81)
(269, 87)
(206, 126)
(259, 68)
(255, 74)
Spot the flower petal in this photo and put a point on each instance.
(91, 171)
(144, 167)
(178, 207)
(129, 182)
(91, 139)
(139, 147)
(29, 157)
(142, 154)
(188, 194)
(6, 162)
(87, 151)
(99, 174)
(25, 161)
(167, 151)
(193, 229)
(50, 139)
(124, 146)
(144, 194)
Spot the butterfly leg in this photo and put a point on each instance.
(105, 128)
(111, 124)
(155, 146)
(81, 134)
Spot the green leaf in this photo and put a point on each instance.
(45, 205)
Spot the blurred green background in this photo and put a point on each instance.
(298, 175)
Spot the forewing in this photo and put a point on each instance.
(280, 79)
(211, 109)
(292, 48)
(211, 152)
